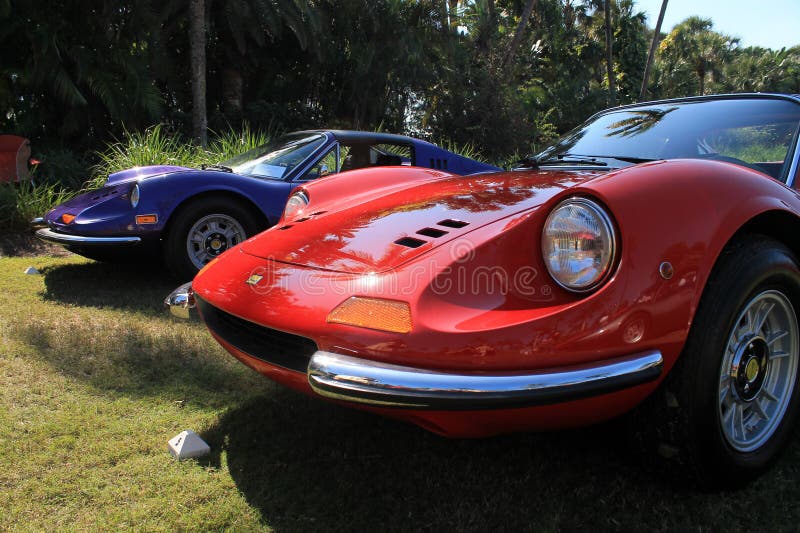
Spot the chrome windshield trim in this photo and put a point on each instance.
(65, 239)
(352, 379)
(792, 173)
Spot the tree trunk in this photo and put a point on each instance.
(197, 44)
(702, 77)
(517, 39)
(484, 43)
(652, 54)
(612, 91)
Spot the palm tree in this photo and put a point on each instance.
(692, 46)
(652, 53)
(79, 83)
(609, 53)
(246, 27)
(520, 31)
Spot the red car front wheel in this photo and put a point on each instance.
(736, 383)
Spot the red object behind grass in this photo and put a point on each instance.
(15, 154)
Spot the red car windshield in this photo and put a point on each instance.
(754, 132)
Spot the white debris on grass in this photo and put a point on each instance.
(187, 444)
(32, 270)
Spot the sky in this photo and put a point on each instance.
(768, 23)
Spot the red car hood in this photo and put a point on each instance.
(381, 232)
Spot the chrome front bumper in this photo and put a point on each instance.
(352, 379)
(65, 239)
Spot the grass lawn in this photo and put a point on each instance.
(95, 378)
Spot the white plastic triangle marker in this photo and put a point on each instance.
(188, 444)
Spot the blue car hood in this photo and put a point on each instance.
(138, 173)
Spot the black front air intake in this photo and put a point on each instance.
(275, 347)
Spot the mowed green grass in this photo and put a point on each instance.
(95, 378)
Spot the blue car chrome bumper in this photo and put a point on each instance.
(358, 380)
(65, 239)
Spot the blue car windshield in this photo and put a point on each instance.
(276, 159)
(755, 132)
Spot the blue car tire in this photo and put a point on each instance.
(204, 229)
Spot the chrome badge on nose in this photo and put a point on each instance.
(254, 279)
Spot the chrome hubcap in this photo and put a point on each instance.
(758, 371)
(212, 235)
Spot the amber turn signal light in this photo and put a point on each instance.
(373, 313)
(146, 219)
(66, 218)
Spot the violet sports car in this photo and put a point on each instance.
(189, 216)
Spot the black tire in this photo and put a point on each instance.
(225, 213)
(755, 277)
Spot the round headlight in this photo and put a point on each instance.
(135, 195)
(578, 244)
(295, 205)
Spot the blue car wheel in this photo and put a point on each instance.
(204, 229)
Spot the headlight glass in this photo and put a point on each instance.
(579, 244)
(135, 195)
(295, 205)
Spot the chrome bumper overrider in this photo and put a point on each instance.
(352, 379)
(64, 239)
(180, 302)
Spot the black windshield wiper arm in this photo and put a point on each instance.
(627, 159)
(563, 159)
(223, 168)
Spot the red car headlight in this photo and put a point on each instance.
(579, 244)
(295, 205)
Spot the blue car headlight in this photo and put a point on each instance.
(135, 193)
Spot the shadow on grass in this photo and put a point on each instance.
(310, 465)
(132, 287)
(137, 360)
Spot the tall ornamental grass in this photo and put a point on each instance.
(155, 146)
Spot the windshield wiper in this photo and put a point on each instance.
(627, 159)
(223, 168)
(563, 159)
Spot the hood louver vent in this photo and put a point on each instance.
(410, 242)
(451, 223)
(432, 232)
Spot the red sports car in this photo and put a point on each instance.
(653, 248)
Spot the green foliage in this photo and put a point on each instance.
(61, 165)
(157, 146)
(473, 71)
(692, 57)
(231, 142)
(22, 202)
(153, 146)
